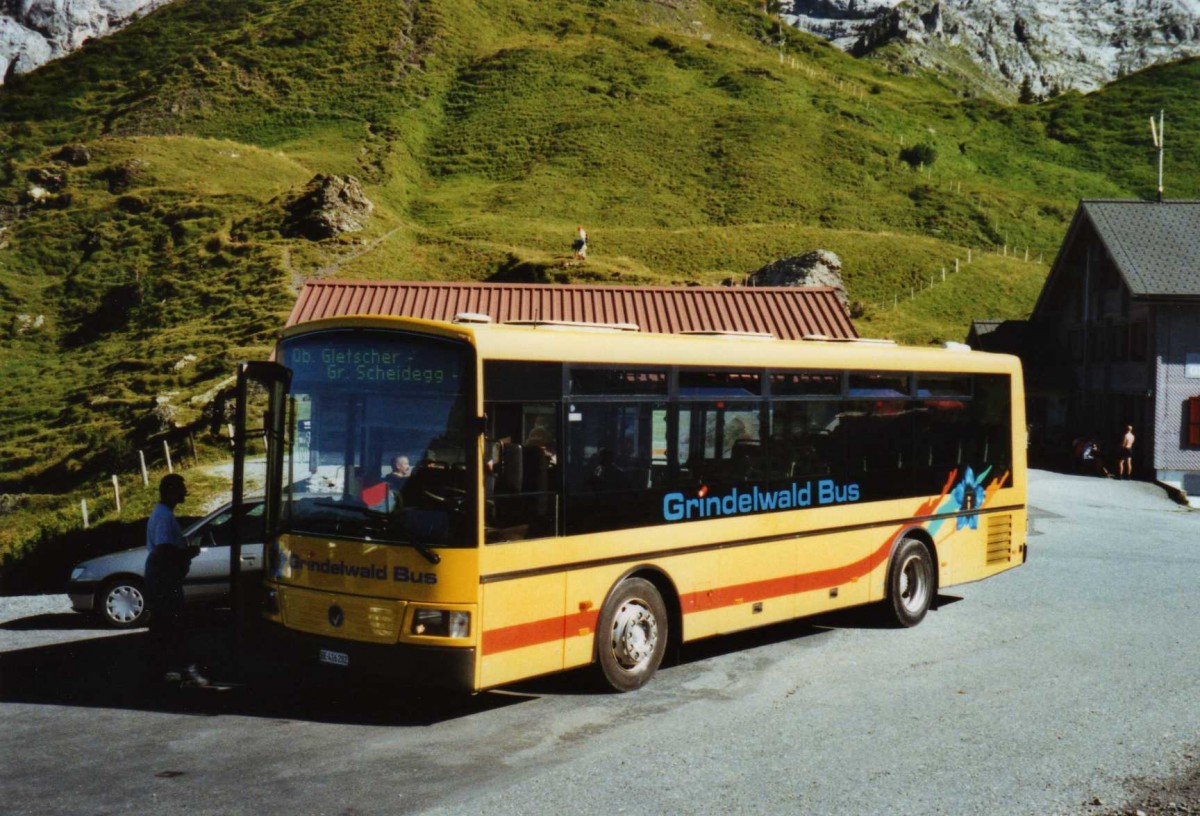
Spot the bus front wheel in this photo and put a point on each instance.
(910, 583)
(631, 637)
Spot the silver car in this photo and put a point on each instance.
(112, 586)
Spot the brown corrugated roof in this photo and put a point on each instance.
(788, 313)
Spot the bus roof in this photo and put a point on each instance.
(602, 344)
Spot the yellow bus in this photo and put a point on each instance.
(469, 504)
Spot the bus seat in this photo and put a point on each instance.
(375, 495)
(510, 470)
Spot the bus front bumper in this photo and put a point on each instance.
(405, 663)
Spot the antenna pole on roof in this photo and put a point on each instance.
(1157, 134)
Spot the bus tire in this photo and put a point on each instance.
(910, 583)
(631, 636)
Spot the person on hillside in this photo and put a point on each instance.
(168, 558)
(1125, 465)
(580, 244)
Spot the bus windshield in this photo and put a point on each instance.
(379, 446)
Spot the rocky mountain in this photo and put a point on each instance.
(33, 32)
(1056, 44)
(841, 21)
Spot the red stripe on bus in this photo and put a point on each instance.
(706, 600)
(534, 633)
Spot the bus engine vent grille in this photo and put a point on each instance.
(367, 620)
(999, 538)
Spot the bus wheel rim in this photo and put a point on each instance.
(913, 583)
(634, 634)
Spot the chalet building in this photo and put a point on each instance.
(1115, 336)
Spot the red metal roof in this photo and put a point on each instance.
(786, 312)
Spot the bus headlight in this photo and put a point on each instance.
(441, 623)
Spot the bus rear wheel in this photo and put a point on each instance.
(631, 637)
(910, 583)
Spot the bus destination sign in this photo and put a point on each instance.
(348, 364)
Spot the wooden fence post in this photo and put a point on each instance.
(83, 509)
(145, 473)
(167, 454)
(117, 492)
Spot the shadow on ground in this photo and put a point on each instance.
(108, 672)
(56, 621)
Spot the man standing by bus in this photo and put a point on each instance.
(168, 559)
(1125, 466)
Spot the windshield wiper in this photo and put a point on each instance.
(385, 529)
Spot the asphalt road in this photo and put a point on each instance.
(1055, 688)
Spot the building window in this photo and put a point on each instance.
(1191, 368)
(1193, 422)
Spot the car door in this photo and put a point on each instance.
(208, 578)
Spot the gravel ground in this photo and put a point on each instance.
(1180, 794)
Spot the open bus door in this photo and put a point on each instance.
(260, 424)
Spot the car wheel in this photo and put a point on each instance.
(910, 583)
(632, 635)
(122, 603)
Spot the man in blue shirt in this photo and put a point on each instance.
(168, 558)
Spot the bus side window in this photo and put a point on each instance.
(724, 442)
(615, 451)
(992, 418)
(521, 471)
(802, 442)
(522, 485)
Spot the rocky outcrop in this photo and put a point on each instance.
(1056, 44)
(841, 21)
(127, 175)
(33, 32)
(76, 155)
(820, 267)
(329, 206)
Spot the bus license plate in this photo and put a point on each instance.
(334, 658)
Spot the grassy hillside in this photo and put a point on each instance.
(483, 132)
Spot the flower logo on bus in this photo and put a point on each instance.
(969, 495)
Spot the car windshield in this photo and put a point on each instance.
(378, 438)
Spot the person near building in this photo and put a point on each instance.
(1125, 465)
